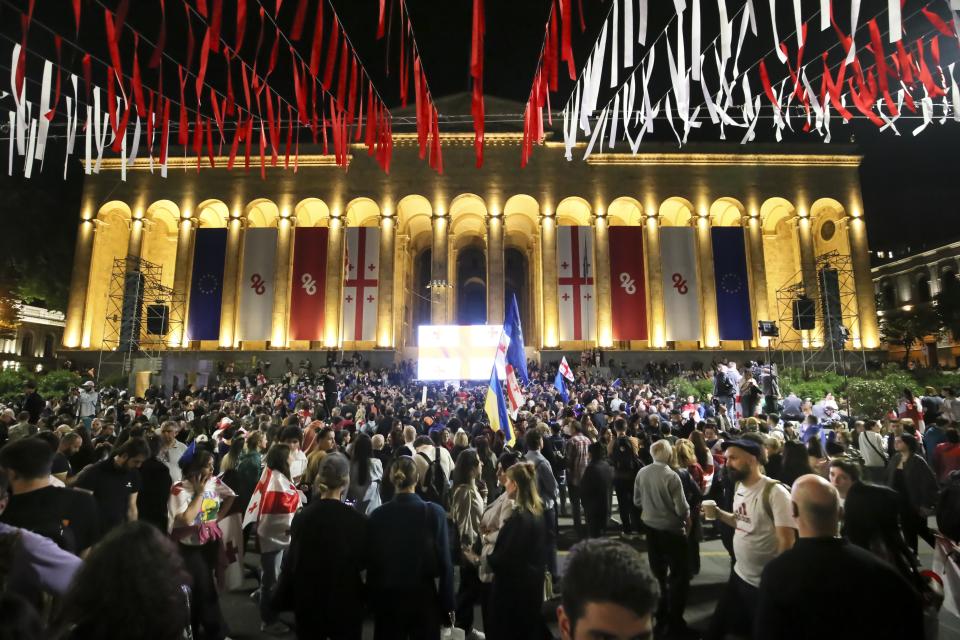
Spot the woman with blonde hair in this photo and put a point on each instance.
(519, 561)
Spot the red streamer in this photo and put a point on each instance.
(57, 41)
(331, 54)
(241, 23)
(296, 32)
(317, 41)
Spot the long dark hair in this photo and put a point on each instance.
(463, 471)
(362, 452)
(278, 459)
(139, 566)
(796, 462)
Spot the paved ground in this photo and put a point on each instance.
(244, 621)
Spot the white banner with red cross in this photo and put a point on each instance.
(575, 293)
(256, 288)
(362, 270)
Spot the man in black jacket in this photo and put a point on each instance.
(824, 568)
(33, 402)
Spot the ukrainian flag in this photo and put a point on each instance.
(496, 408)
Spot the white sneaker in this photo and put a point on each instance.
(476, 635)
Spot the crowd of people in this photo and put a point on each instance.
(369, 496)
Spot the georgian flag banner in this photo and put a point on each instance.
(628, 284)
(681, 291)
(308, 286)
(565, 369)
(274, 502)
(360, 286)
(575, 283)
(256, 285)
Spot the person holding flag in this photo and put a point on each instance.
(274, 503)
(564, 373)
(496, 407)
(516, 356)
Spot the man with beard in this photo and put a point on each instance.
(764, 528)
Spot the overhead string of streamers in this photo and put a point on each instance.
(874, 74)
(328, 102)
(557, 47)
(428, 128)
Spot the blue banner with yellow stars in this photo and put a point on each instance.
(206, 286)
(732, 282)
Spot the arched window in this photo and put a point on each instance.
(48, 343)
(26, 346)
(948, 281)
(923, 288)
(888, 295)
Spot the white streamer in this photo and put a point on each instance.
(87, 165)
(955, 92)
(642, 23)
(776, 37)
(695, 40)
(19, 99)
(13, 137)
(726, 30)
(136, 143)
(615, 41)
(28, 159)
(798, 22)
(628, 34)
(854, 18)
(43, 123)
(824, 15)
(613, 124)
(895, 24)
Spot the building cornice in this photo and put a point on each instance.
(725, 159)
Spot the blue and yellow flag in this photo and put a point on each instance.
(496, 407)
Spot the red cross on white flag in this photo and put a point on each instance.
(575, 292)
(362, 278)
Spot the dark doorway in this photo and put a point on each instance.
(515, 283)
(471, 286)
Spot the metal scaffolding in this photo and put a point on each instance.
(141, 316)
(828, 345)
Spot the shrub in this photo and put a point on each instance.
(11, 384)
(873, 398)
(57, 383)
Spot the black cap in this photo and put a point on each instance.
(751, 447)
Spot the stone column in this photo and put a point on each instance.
(710, 336)
(79, 281)
(654, 269)
(282, 272)
(601, 259)
(758, 273)
(548, 268)
(808, 268)
(333, 286)
(439, 284)
(404, 292)
(232, 273)
(385, 297)
(495, 268)
(135, 244)
(182, 276)
(866, 303)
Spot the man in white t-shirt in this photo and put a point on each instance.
(764, 528)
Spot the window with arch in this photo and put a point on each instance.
(26, 346)
(48, 344)
(888, 296)
(923, 288)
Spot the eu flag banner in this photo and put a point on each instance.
(206, 285)
(733, 285)
(495, 406)
(516, 356)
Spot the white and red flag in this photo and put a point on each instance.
(514, 395)
(274, 502)
(362, 271)
(565, 369)
(575, 293)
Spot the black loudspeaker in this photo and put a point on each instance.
(833, 328)
(158, 319)
(132, 310)
(804, 314)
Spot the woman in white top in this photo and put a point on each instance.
(195, 507)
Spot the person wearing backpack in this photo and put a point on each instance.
(724, 388)
(434, 485)
(626, 464)
(763, 518)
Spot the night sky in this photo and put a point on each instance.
(910, 184)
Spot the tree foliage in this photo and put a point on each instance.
(905, 329)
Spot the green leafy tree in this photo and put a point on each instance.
(906, 329)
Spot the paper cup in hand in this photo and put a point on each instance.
(709, 509)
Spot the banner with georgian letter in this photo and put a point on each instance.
(360, 298)
(628, 290)
(307, 290)
(575, 273)
(733, 285)
(256, 287)
(681, 291)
